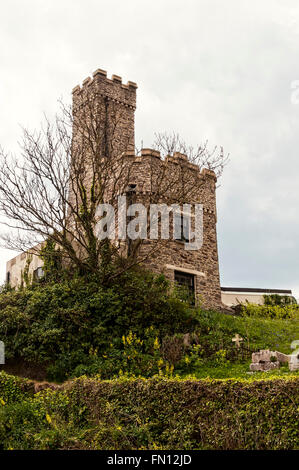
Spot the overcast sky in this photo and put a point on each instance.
(208, 69)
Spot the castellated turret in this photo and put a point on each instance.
(103, 138)
(112, 105)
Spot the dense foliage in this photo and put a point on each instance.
(157, 413)
(70, 327)
(271, 309)
(69, 323)
(277, 299)
(143, 334)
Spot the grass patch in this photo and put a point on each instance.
(239, 370)
(258, 333)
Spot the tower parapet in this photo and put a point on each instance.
(112, 104)
(111, 88)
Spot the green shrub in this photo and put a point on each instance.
(68, 328)
(156, 413)
(13, 389)
(271, 310)
(129, 355)
(276, 299)
(59, 323)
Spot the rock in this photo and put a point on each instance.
(261, 360)
(187, 339)
(190, 339)
(264, 366)
(294, 362)
(39, 386)
(281, 357)
(263, 355)
(264, 360)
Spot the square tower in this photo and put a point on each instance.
(110, 106)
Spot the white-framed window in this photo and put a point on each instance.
(182, 227)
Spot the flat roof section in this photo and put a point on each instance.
(257, 290)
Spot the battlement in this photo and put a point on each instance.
(150, 153)
(177, 159)
(112, 104)
(103, 129)
(111, 88)
(101, 88)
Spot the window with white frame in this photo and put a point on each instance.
(182, 227)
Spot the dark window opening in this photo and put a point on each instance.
(8, 277)
(187, 281)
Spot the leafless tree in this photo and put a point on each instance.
(214, 159)
(52, 189)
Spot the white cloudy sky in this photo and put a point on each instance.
(209, 69)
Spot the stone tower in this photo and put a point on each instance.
(113, 105)
(107, 107)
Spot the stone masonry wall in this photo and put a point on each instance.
(157, 180)
(166, 256)
(17, 266)
(113, 105)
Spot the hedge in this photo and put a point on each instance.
(156, 413)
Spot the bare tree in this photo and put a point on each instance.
(215, 159)
(52, 189)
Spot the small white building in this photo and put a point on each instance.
(231, 296)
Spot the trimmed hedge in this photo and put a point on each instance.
(156, 413)
(13, 389)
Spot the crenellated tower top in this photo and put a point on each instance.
(111, 104)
